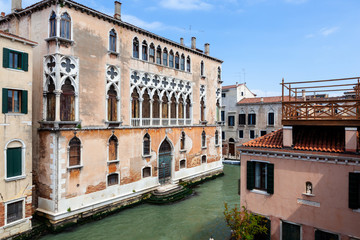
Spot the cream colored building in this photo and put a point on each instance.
(119, 110)
(16, 134)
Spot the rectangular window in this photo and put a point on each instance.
(113, 179)
(241, 134)
(262, 133)
(354, 190)
(15, 60)
(152, 54)
(223, 116)
(321, 235)
(252, 119)
(252, 134)
(13, 162)
(271, 119)
(223, 95)
(223, 135)
(231, 120)
(14, 211)
(290, 231)
(242, 119)
(260, 175)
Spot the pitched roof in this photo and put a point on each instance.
(260, 99)
(16, 37)
(229, 86)
(305, 138)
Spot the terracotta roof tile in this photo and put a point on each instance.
(306, 139)
(228, 87)
(258, 100)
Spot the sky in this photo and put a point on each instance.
(260, 41)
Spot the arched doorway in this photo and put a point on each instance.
(165, 162)
(231, 147)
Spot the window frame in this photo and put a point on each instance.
(188, 64)
(180, 163)
(202, 156)
(68, 155)
(231, 117)
(268, 118)
(250, 131)
(251, 177)
(23, 59)
(142, 172)
(171, 59)
(113, 40)
(112, 174)
(69, 22)
(152, 53)
(144, 51)
(6, 212)
(241, 137)
(203, 139)
(242, 119)
(325, 231)
(292, 223)
(252, 119)
(23, 161)
(143, 145)
(117, 150)
(165, 57)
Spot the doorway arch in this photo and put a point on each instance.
(165, 159)
(231, 147)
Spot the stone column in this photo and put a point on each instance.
(177, 112)
(140, 111)
(57, 105)
(151, 111)
(169, 112)
(160, 110)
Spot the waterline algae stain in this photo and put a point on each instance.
(197, 217)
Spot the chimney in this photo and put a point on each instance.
(16, 5)
(117, 10)
(207, 49)
(287, 136)
(193, 43)
(182, 41)
(262, 99)
(2, 14)
(351, 139)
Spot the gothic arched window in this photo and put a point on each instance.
(144, 51)
(173, 107)
(152, 53)
(182, 141)
(50, 102)
(182, 62)
(177, 59)
(202, 109)
(112, 104)
(65, 26)
(188, 68)
(158, 55)
(74, 152)
(135, 104)
(112, 40)
(219, 73)
(181, 108)
(146, 105)
(52, 22)
(171, 59)
(146, 145)
(113, 148)
(188, 106)
(136, 48)
(202, 68)
(67, 102)
(165, 57)
(156, 106)
(203, 139)
(165, 113)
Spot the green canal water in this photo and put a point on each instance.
(198, 217)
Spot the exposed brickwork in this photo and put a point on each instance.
(112, 168)
(99, 187)
(134, 176)
(2, 214)
(28, 210)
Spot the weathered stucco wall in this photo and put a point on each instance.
(330, 189)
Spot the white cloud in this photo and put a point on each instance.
(327, 31)
(152, 26)
(185, 4)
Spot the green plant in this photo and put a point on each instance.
(69, 209)
(78, 126)
(244, 224)
(134, 190)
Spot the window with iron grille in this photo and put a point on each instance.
(14, 211)
(146, 145)
(74, 152)
(113, 179)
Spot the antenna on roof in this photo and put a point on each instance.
(244, 75)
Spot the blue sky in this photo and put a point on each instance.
(265, 39)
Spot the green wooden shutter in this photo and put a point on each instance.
(24, 101)
(4, 100)
(250, 175)
(270, 178)
(6, 53)
(24, 61)
(13, 162)
(354, 181)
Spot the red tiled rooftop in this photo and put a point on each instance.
(307, 139)
(258, 100)
(228, 87)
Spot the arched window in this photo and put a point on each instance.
(188, 106)
(152, 53)
(158, 55)
(144, 51)
(171, 59)
(112, 40)
(15, 153)
(202, 109)
(309, 188)
(146, 106)
(203, 139)
(188, 68)
(50, 102)
(165, 113)
(182, 62)
(173, 107)
(218, 110)
(112, 104)
(182, 141)
(216, 137)
(146, 145)
(136, 48)
(177, 60)
(219, 73)
(74, 152)
(181, 108)
(182, 163)
(203, 159)
(146, 172)
(67, 102)
(113, 148)
(65, 26)
(202, 68)
(52, 22)
(156, 106)
(165, 57)
(113, 179)
(135, 104)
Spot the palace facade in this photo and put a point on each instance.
(117, 110)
